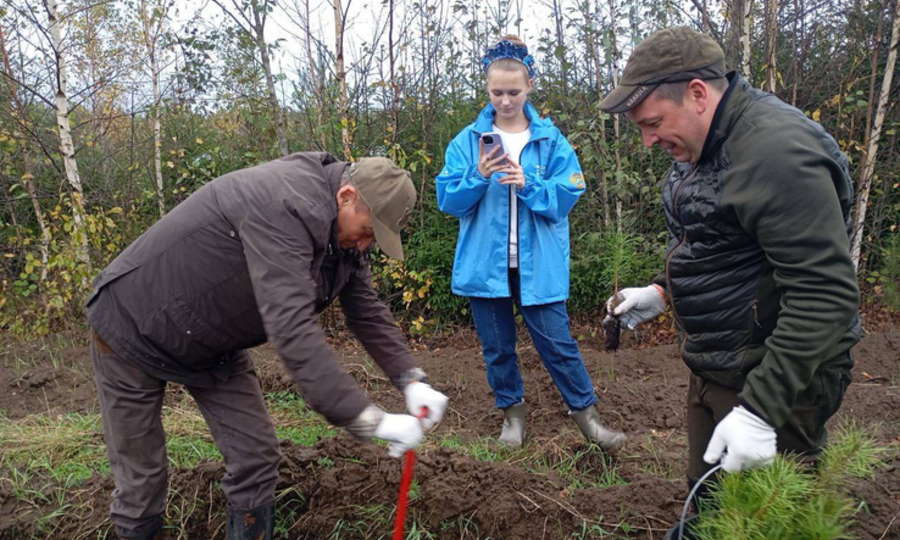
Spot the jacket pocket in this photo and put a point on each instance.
(187, 338)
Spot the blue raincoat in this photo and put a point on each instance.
(553, 183)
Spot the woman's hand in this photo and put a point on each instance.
(515, 175)
(492, 162)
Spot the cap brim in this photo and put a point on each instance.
(388, 240)
(625, 97)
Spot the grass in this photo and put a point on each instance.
(654, 445)
(583, 466)
(43, 457)
(295, 421)
(376, 522)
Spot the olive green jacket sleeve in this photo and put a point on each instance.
(787, 192)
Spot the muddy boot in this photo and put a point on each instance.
(513, 433)
(253, 524)
(588, 421)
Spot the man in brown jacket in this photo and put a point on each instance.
(253, 256)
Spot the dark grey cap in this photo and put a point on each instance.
(669, 55)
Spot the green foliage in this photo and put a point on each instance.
(886, 280)
(604, 259)
(789, 501)
(43, 297)
(216, 118)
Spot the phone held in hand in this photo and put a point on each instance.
(492, 140)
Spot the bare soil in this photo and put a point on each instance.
(338, 481)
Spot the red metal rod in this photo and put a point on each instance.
(405, 481)
(410, 462)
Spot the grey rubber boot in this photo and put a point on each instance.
(513, 433)
(255, 524)
(588, 421)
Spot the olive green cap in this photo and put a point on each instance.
(389, 193)
(669, 55)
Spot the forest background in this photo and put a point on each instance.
(114, 111)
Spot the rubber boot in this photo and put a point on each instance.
(255, 524)
(513, 433)
(588, 421)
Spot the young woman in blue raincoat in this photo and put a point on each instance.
(513, 244)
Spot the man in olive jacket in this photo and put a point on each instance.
(758, 270)
(253, 256)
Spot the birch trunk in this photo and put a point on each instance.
(745, 38)
(872, 148)
(771, 43)
(150, 41)
(66, 146)
(259, 27)
(346, 139)
(317, 90)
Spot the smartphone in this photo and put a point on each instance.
(492, 140)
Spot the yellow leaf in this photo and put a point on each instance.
(199, 140)
(170, 164)
(817, 115)
(89, 144)
(27, 176)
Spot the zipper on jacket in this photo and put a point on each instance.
(755, 309)
(672, 253)
(508, 243)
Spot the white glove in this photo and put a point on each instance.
(749, 440)
(402, 431)
(638, 305)
(418, 395)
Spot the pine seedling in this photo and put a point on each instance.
(618, 246)
(791, 501)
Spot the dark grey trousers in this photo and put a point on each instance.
(803, 435)
(131, 405)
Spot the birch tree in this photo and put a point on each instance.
(771, 44)
(868, 170)
(66, 146)
(250, 16)
(153, 20)
(341, 75)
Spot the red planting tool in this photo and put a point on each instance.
(409, 463)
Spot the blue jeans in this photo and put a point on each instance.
(548, 325)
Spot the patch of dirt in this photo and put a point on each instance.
(641, 388)
(46, 376)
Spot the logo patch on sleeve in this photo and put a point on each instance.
(577, 180)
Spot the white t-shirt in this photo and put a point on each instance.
(513, 143)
